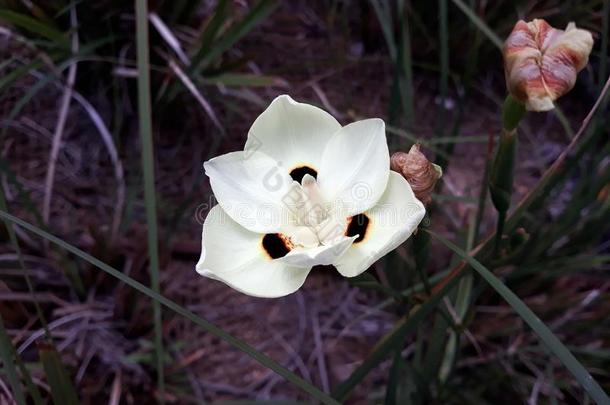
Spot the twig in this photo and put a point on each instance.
(169, 37)
(61, 122)
(115, 393)
(196, 93)
(106, 136)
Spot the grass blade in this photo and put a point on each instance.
(197, 94)
(144, 114)
(211, 30)
(7, 351)
(28, 281)
(443, 35)
(32, 25)
(61, 122)
(258, 13)
(493, 37)
(391, 340)
(173, 306)
(544, 333)
(245, 79)
(405, 65)
(62, 390)
(603, 63)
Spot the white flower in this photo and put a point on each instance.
(304, 192)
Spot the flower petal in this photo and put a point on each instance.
(292, 133)
(251, 188)
(234, 255)
(321, 255)
(392, 221)
(355, 167)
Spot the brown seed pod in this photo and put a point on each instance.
(421, 174)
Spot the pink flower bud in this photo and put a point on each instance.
(541, 62)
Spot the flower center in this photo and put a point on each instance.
(298, 173)
(313, 225)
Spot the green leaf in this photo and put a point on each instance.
(33, 25)
(173, 306)
(502, 171)
(405, 64)
(394, 379)
(392, 340)
(18, 73)
(492, 36)
(7, 351)
(512, 113)
(544, 333)
(211, 30)
(144, 115)
(258, 13)
(244, 79)
(62, 390)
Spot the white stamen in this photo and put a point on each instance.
(304, 236)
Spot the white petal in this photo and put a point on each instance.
(355, 167)
(235, 256)
(252, 189)
(292, 133)
(392, 221)
(324, 254)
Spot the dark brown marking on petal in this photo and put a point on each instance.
(298, 173)
(276, 245)
(358, 225)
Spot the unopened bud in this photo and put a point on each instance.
(541, 62)
(421, 174)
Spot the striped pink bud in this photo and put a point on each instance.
(541, 62)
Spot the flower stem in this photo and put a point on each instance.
(503, 166)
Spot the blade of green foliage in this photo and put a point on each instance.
(384, 16)
(33, 25)
(145, 119)
(32, 388)
(18, 73)
(7, 351)
(25, 99)
(243, 79)
(493, 37)
(23, 195)
(604, 49)
(258, 13)
(392, 388)
(391, 341)
(62, 390)
(209, 327)
(501, 179)
(444, 62)
(28, 281)
(405, 64)
(271, 402)
(211, 31)
(544, 333)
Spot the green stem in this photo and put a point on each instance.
(144, 113)
(503, 166)
(499, 231)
